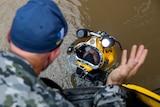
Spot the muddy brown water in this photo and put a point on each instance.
(129, 21)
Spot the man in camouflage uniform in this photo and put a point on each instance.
(21, 87)
(35, 36)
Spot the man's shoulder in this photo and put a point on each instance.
(5, 55)
(24, 92)
(11, 63)
(8, 63)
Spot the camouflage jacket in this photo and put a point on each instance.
(21, 87)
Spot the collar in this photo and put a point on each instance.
(19, 60)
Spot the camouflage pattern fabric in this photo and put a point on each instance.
(110, 96)
(21, 87)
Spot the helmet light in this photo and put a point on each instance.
(107, 41)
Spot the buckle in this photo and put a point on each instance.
(81, 72)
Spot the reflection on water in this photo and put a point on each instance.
(141, 12)
(129, 21)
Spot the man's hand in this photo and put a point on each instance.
(128, 68)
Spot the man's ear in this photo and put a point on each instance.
(54, 54)
(8, 36)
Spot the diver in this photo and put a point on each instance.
(95, 54)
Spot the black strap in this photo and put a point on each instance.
(53, 85)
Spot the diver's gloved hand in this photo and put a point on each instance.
(111, 96)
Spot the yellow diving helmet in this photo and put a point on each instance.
(93, 50)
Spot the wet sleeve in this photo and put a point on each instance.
(110, 96)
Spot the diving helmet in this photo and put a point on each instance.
(93, 50)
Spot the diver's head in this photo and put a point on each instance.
(93, 50)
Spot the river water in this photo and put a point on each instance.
(129, 21)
